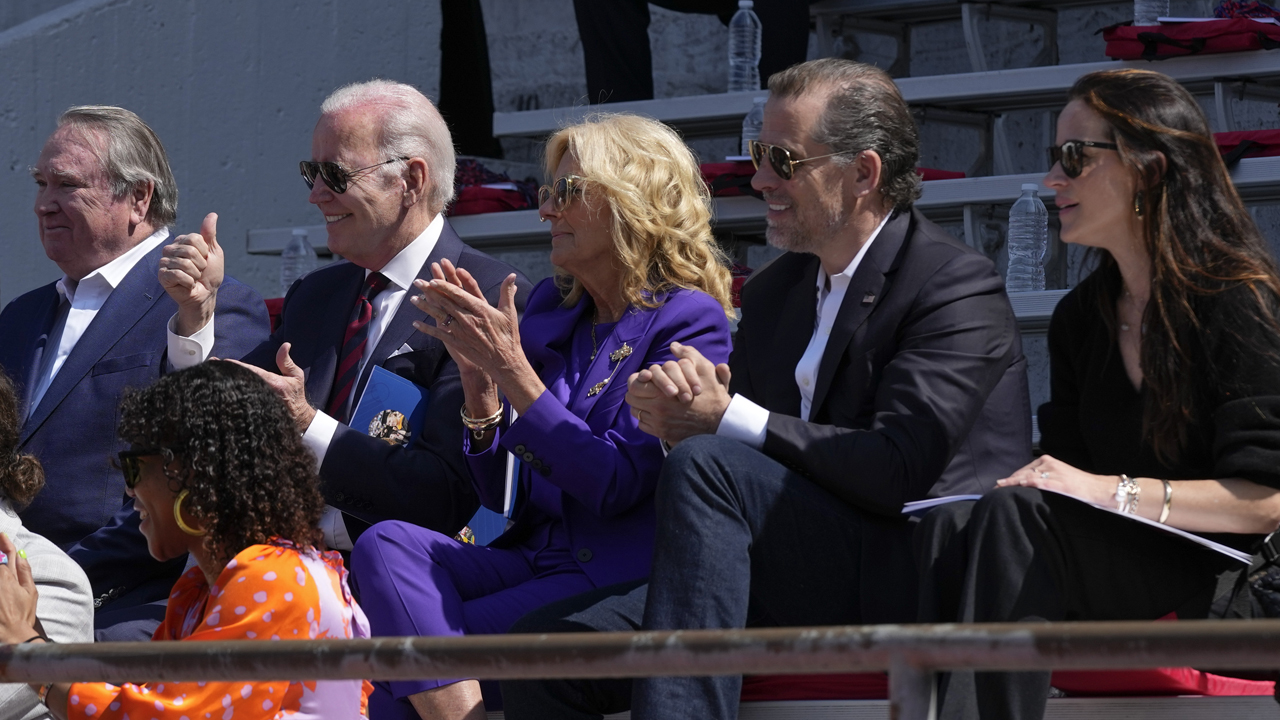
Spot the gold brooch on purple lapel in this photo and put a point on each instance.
(617, 356)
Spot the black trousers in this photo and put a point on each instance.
(615, 41)
(1022, 555)
(742, 542)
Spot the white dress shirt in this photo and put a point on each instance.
(746, 421)
(85, 299)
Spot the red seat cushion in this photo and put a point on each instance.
(1079, 683)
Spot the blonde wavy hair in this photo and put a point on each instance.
(659, 206)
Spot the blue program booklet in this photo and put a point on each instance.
(391, 407)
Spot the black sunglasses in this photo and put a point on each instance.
(1071, 155)
(335, 176)
(560, 192)
(780, 158)
(131, 468)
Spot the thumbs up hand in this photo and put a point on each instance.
(191, 269)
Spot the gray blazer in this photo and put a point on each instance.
(65, 607)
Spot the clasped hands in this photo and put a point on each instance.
(680, 398)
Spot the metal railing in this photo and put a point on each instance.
(912, 654)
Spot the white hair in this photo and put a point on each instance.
(411, 127)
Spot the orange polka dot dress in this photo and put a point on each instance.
(267, 592)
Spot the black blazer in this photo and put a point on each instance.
(922, 389)
(425, 482)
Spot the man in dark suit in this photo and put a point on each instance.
(381, 173)
(878, 362)
(105, 200)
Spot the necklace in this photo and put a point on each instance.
(594, 347)
(1128, 296)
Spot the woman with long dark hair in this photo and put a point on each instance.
(1165, 399)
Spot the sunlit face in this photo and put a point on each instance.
(1096, 208)
(153, 497)
(807, 212)
(364, 223)
(82, 225)
(581, 236)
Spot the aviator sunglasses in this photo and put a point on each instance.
(1071, 155)
(780, 158)
(130, 466)
(560, 192)
(335, 176)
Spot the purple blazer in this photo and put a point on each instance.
(589, 447)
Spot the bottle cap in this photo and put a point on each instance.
(1030, 186)
(745, 4)
(299, 231)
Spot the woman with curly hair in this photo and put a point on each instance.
(216, 470)
(1164, 404)
(638, 271)
(65, 610)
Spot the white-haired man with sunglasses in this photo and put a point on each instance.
(877, 362)
(381, 172)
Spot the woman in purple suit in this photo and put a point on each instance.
(637, 270)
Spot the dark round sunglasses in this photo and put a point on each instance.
(1071, 155)
(131, 468)
(560, 192)
(335, 176)
(779, 158)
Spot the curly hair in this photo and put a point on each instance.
(21, 475)
(229, 440)
(660, 207)
(1201, 240)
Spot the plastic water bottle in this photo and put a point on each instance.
(297, 259)
(1146, 12)
(1027, 240)
(744, 49)
(751, 125)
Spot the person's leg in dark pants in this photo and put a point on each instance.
(466, 86)
(617, 608)
(615, 49)
(743, 541)
(1040, 556)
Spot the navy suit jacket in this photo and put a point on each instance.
(584, 455)
(83, 507)
(424, 482)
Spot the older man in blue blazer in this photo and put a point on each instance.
(105, 200)
(381, 173)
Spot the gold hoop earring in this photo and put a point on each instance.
(1138, 208)
(177, 516)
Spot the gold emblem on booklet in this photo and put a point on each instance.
(390, 425)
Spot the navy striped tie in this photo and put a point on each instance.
(353, 346)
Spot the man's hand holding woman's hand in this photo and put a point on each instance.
(680, 398)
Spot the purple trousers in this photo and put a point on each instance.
(415, 581)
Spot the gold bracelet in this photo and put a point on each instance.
(1168, 501)
(479, 426)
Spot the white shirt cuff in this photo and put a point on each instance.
(318, 436)
(335, 530)
(185, 352)
(745, 422)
